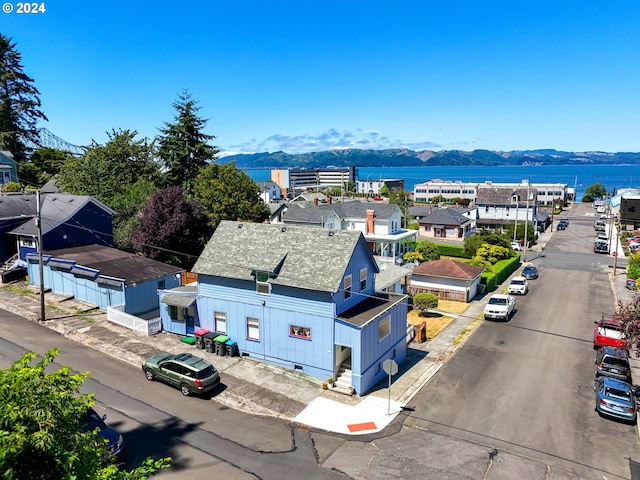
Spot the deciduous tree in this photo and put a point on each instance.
(629, 315)
(596, 190)
(40, 427)
(473, 242)
(171, 229)
(183, 146)
(227, 193)
(19, 103)
(428, 250)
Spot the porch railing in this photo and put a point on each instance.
(116, 314)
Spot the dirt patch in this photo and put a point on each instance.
(435, 322)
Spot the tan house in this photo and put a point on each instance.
(448, 279)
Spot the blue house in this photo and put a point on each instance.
(67, 221)
(8, 168)
(104, 276)
(302, 298)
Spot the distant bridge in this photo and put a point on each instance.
(46, 139)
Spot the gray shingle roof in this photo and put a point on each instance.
(444, 216)
(308, 213)
(56, 208)
(495, 195)
(298, 256)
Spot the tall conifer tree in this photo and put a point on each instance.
(19, 103)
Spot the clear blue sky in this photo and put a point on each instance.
(307, 76)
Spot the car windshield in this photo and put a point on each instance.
(497, 301)
(617, 393)
(529, 270)
(517, 282)
(618, 362)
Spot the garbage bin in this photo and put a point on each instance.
(199, 334)
(421, 333)
(221, 348)
(232, 348)
(208, 341)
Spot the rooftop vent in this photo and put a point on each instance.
(240, 225)
(331, 233)
(283, 229)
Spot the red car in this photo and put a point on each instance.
(608, 333)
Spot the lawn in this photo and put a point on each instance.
(436, 321)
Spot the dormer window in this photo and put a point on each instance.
(263, 287)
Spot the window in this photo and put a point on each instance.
(384, 327)
(253, 328)
(263, 287)
(363, 279)
(176, 313)
(300, 332)
(161, 284)
(220, 322)
(347, 287)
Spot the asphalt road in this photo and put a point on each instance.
(526, 386)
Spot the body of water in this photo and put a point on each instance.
(580, 177)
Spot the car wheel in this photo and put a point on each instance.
(149, 374)
(185, 389)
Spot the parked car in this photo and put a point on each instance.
(565, 220)
(500, 307)
(114, 441)
(530, 272)
(607, 332)
(516, 246)
(191, 374)
(561, 226)
(615, 398)
(613, 362)
(599, 226)
(518, 285)
(601, 246)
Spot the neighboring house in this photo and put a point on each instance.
(302, 298)
(498, 206)
(8, 168)
(67, 221)
(381, 224)
(269, 192)
(104, 276)
(630, 210)
(372, 187)
(450, 223)
(448, 279)
(276, 211)
(392, 278)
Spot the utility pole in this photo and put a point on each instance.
(40, 259)
(526, 224)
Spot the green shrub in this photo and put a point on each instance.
(633, 271)
(12, 187)
(425, 301)
(456, 251)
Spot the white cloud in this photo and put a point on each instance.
(328, 140)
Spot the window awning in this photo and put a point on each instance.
(178, 300)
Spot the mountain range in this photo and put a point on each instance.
(426, 158)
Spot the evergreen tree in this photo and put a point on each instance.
(183, 147)
(19, 103)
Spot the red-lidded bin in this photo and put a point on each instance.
(199, 334)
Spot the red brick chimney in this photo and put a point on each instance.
(370, 221)
(315, 201)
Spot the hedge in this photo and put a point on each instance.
(452, 251)
(501, 271)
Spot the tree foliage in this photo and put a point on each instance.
(227, 193)
(629, 315)
(596, 190)
(425, 301)
(403, 200)
(493, 253)
(43, 164)
(427, 250)
(170, 225)
(384, 191)
(40, 427)
(473, 242)
(19, 103)
(183, 147)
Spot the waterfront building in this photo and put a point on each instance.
(295, 180)
(372, 187)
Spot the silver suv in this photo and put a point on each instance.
(191, 374)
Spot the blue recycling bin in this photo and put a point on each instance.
(232, 348)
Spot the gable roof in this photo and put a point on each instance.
(448, 268)
(304, 212)
(56, 209)
(112, 262)
(382, 211)
(493, 195)
(296, 256)
(445, 216)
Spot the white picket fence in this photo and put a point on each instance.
(116, 314)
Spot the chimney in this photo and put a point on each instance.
(370, 221)
(329, 199)
(315, 201)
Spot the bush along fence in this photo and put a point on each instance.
(501, 271)
(452, 251)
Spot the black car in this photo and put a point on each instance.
(530, 272)
(561, 226)
(115, 443)
(613, 362)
